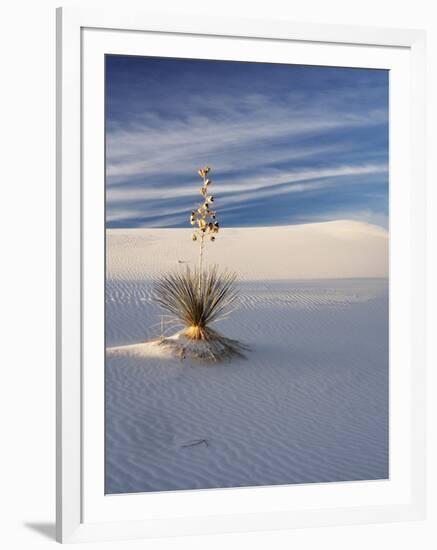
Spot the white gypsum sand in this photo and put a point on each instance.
(310, 402)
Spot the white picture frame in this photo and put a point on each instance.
(83, 37)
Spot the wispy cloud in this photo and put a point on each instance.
(261, 144)
(229, 135)
(240, 190)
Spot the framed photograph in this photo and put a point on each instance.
(240, 275)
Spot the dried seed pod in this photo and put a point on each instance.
(212, 238)
(193, 237)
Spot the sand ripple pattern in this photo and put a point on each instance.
(309, 404)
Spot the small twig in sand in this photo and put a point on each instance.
(196, 442)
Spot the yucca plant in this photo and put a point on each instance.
(196, 298)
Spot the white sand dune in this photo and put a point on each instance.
(338, 249)
(310, 401)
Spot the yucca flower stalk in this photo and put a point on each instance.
(204, 218)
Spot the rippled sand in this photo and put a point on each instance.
(310, 402)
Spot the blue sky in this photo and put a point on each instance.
(287, 144)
